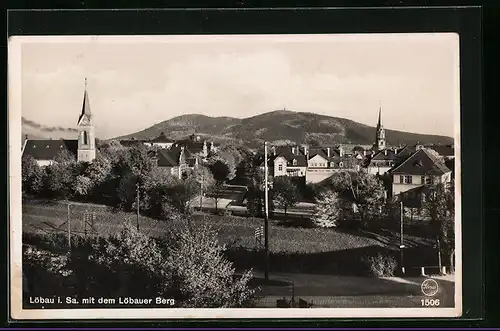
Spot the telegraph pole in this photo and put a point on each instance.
(266, 220)
(69, 227)
(201, 190)
(401, 244)
(137, 186)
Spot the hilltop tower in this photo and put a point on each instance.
(86, 135)
(380, 133)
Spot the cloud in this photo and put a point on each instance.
(44, 128)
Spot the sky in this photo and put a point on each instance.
(136, 82)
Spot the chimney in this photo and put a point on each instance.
(305, 150)
(25, 137)
(293, 150)
(395, 151)
(364, 152)
(328, 151)
(341, 151)
(274, 150)
(385, 151)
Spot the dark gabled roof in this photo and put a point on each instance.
(421, 163)
(161, 139)
(318, 151)
(443, 150)
(450, 164)
(193, 146)
(289, 157)
(49, 149)
(168, 157)
(384, 155)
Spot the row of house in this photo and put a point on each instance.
(407, 167)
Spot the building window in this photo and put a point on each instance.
(341, 164)
(294, 162)
(280, 167)
(427, 180)
(408, 179)
(332, 164)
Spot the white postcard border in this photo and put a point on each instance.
(15, 198)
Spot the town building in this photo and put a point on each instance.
(83, 148)
(176, 160)
(419, 169)
(161, 141)
(314, 164)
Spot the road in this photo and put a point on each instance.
(350, 291)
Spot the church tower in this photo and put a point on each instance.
(86, 135)
(380, 133)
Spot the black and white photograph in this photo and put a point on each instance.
(185, 176)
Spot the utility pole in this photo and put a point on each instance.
(69, 227)
(401, 244)
(137, 186)
(201, 190)
(266, 216)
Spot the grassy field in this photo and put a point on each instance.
(233, 230)
(292, 248)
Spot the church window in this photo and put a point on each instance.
(85, 138)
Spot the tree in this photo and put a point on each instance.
(439, 205)
(161, 189)
(125, 264)
(327, 211)
(285, 193)
(198, 181)
(220, 169)
(83, 186)
(364, 192)
(216, 192)
(203, 277)
(60, 177)
(245, 171)
(188, 265)
(32, 175)
(64, 157)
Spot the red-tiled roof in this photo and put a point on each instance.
(49, 149)
(421, 163)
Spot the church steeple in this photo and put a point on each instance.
(86, 137)
(379, 124)
(380, 133)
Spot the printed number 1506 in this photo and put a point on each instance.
(430, 302)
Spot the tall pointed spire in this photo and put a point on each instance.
(85, 106)
(380, 115)
(380, 132)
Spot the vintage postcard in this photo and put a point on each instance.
(246, 176)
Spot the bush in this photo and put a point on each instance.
(44, 273)
(381, 265)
